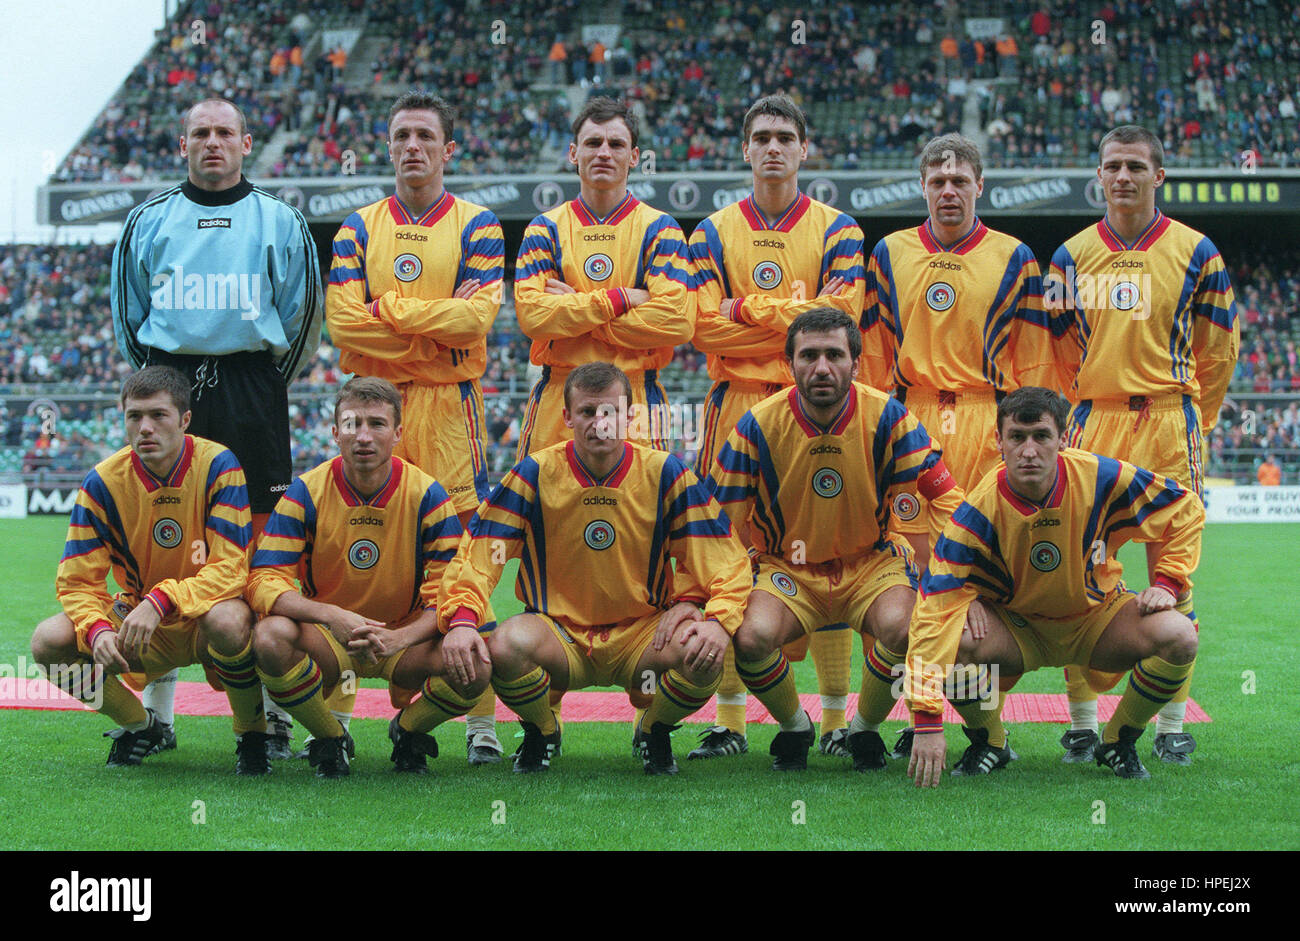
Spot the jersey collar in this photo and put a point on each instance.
(1146, 238)
(585, 477)
(810, 427)
(784, 222)
(1024, 505)
(174, 477)
(974, 235)
(352, 497)
(226, 197)
(403, 216)
(617, 215)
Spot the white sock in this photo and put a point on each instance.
(859, 724)
(343, 717)
(800, 723)
(1170, 717)
(835, 702)
(160, 696)
(731, 699)
(1083, 716)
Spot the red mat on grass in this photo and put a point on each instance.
(199, 699)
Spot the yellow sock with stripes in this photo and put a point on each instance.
(974, 697)
(1152, 683)
(436, 703)
(299, 692)
(238, 674)
(91, 684)
(731, 694)
(832, 652)
(675, 698)
(1171, 714)
(772, 682)
(529, 697)
(486, 706)
(877, 695)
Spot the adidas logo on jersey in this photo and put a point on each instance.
(825, 449)
(158, 501)
(365, 521)
(946, 265)
(1126, 264)
(412, 236)
(768, 243)
(600, 237)
(599, 501)
(1038, 523)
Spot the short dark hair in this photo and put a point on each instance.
(963, 149)
(151, 380)
(596, 377)
(775, 106)
(1132, 134)
(1030, 403)
(824, 320)
(216, 99)
(417, 100)
(602, 109)
(369, 389)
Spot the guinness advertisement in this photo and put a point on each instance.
(693, 196)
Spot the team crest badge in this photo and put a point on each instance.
(599, 535)
(167, 533)
(598, 267)
(407, 267)
(767, 275)
(1044, 556)
(906, 506)
(1125, 295)
(827, 482)
(363, 554)
(940, 295)
(785, 584)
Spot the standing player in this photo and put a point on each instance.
(598, 504)
(1036, 541)
(1151, 336)
(413, 289)
(220, 279)
(954, 320)
(603, 278)
(168, 517)
(814, 470)
(759, 264)
(367, 536)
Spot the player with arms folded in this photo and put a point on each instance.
(1029, 561)
(760, 263)
(596, 523)
(168, 517)
(1149, 339)
(814, 471)
(413, 290)
(366, 536)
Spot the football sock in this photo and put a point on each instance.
(300, 692)
(436, 703)
(675, 698)
(273, 710)
(1170, 717)
(160, 696)
(89, 685)
(731, 694)
(1083, 716)
(832, 651)
(877, 695)
(528, 697)
(772, 682)
(342, 703)
(483, 716)
(238, 674)
(972, 703)
(1152, 683)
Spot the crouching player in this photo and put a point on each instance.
(168, 515)
(367, 536)
(814, 470)
(1034, 546)
(596, 523)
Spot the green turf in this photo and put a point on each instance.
(1241, 793)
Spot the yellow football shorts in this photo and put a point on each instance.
(442, 434)
(1161, 434)
(605, 654)
(1059, 642)
(726, 404)
(840, 590)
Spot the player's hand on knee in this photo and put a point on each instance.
(1155, 599)
(929, 753)
(705, 643)
(467, 289)
(671, 619)
(137, 629)
(107, 653)
(979, 618)
(463, 654)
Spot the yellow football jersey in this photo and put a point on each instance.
(1156, 318)
(1054, 560)
(954, 318)
(381, 557)
(598, 552)
(389, 304)
(776, 269)
(813, 493)
(635, 246)
(181, 540)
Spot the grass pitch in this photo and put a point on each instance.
(1240, 793)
